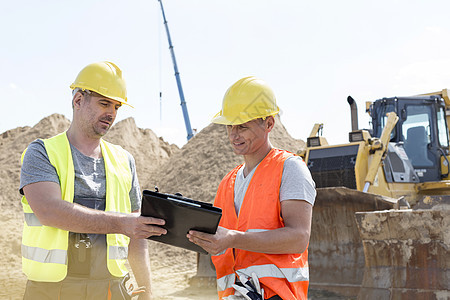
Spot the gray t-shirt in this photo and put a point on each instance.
(296, 183)
(89, 190)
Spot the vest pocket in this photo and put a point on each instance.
(79, 255)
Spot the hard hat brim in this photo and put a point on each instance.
(122, 101)
(219, 118)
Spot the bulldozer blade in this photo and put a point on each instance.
(336, 254)
(407, 251)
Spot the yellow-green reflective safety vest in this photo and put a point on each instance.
(44, 248)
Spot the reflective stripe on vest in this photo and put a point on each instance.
(225, 282)
(32, 220)
(270, 270)
(116, 252)
(285, 275)
(256, 230)
(55, 256)
(44, 248)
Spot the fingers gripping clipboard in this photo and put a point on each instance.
(181, 215)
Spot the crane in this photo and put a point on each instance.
(187, 122)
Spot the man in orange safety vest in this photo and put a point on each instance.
(260, 247)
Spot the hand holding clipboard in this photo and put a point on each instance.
(181, 215)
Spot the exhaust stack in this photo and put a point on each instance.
(354, 112)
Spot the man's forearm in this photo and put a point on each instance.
(77, 218)
(139, 260)
(46, 203)
(277, 241)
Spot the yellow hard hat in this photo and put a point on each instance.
(248, 99)
(104, 78)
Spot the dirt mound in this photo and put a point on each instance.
(12, 144)
(149, 151)
(198, 168)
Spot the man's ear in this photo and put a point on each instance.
(76, 100)
(270, 123)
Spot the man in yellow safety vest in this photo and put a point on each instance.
(81, 202)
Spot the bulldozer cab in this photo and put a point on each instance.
(421, 129)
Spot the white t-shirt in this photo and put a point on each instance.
(296, 183)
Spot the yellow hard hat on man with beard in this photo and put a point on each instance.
(104, 78)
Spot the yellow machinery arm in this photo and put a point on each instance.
(317, 127)
(376, 159)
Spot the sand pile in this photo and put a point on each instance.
(12, 144)
(198, 168)
(149, 151)
(194, 170)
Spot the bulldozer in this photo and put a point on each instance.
(400, 162)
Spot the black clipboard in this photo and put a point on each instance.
(181, 215)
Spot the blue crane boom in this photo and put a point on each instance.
(187, 122)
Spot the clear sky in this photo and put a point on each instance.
(312, 53)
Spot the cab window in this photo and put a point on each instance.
(416, 134)
(442, 128)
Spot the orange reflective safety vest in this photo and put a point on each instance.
(285, 275)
